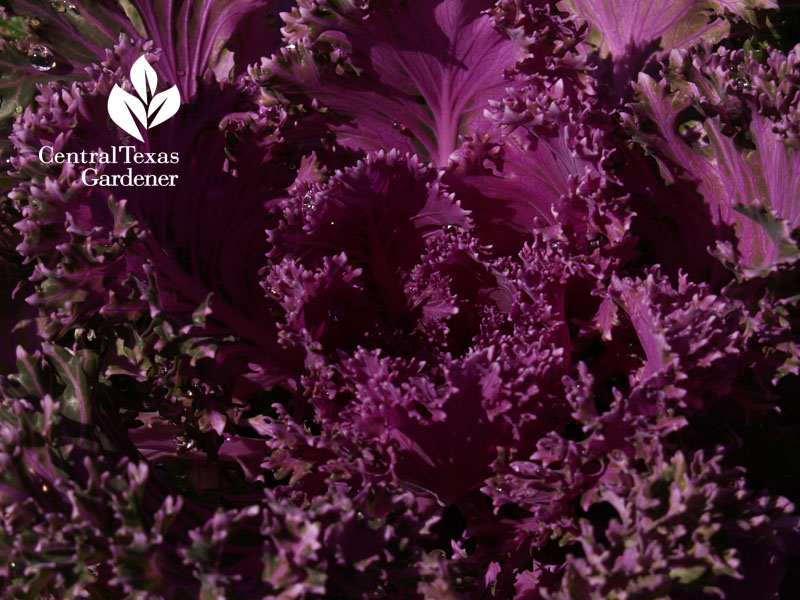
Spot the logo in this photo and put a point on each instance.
(126, 166)
(150, 109)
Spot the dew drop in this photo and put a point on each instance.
(308, 201)
(18, 110)
(62, 6)
(741, 84)
(41, 57)
(45, 489)
(438, 554)
(183, 443)
(400, 127)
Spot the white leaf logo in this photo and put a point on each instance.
(150, 109)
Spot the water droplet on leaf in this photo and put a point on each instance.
(400, 127)
(15, 569)
(184, 443)
(62, 6)
(741, 84)
(41, 57)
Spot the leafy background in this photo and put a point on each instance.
(454, 299)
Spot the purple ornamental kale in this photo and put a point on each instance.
(452, 300)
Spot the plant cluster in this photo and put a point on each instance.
(450, 300)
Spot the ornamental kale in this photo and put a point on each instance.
(444, 299)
